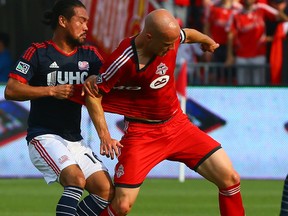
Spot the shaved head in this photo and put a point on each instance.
(161, 31)
(162, 23)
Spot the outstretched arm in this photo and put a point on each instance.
(194, 36)
(108, 146)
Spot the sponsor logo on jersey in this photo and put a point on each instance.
(22, 67)
(54, 65)
(83, 65)
(160, 82)
(161, 69)
(51, 78)
(66, 77)
(120, 171)
(134, 88)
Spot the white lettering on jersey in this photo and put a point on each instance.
(51, 78)
(160, 82)
(127, 88)
(66, 77)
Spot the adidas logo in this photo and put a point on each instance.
(54, 65)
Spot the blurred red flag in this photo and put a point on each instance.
(276, 53)
(181, 82)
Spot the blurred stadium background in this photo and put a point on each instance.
(250, 123)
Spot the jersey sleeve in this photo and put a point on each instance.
(182, 36)
(114, 66)
(269, 12)
(25, 66)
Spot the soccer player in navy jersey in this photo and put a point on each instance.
(137, 81)
(45, 74)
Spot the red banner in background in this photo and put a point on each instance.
(111, 21)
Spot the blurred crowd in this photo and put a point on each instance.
(251, 34)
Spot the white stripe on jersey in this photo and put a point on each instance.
(127, 54)
(266, 7)
(182, 36)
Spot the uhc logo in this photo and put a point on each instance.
(66, 77)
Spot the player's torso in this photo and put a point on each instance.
(150, 89)
(45, 65)
(219, 21)
(55, 68)
(250, 29)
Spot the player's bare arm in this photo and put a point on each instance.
(90, 86)
(16, 90)
(108, 146)
(194, 36)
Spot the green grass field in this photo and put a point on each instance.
(158, 197)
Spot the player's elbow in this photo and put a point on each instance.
(8, 93)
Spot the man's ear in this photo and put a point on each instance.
(148, 36)
(62, 21)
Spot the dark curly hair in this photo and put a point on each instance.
(61, 7)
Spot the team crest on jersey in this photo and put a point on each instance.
(83, 65)
(120, 171)
(22, 67)
(161, 69)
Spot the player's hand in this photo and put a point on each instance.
(90, 86)
(209, 47)
(110, 148)
(62, 91)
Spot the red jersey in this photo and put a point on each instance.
(250, 31)
(147, 93)
(218, 16)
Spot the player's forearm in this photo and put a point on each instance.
(18, 91)
(97, 116)
(194, 36)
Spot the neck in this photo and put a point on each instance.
(142, 54)
(62, 44)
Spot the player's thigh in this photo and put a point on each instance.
(218, 169)
(87, 160)
(50, 156)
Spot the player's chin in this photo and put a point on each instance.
(82, 39)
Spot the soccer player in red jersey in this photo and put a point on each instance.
(247, 40)
(45, 74)
(216, 25)
(137, 81)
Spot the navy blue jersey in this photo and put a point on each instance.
(43, 64)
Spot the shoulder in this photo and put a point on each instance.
(90, 49)
(31, 50)
(125, 48)
(266, 7)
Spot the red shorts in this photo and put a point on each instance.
(146, 145)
